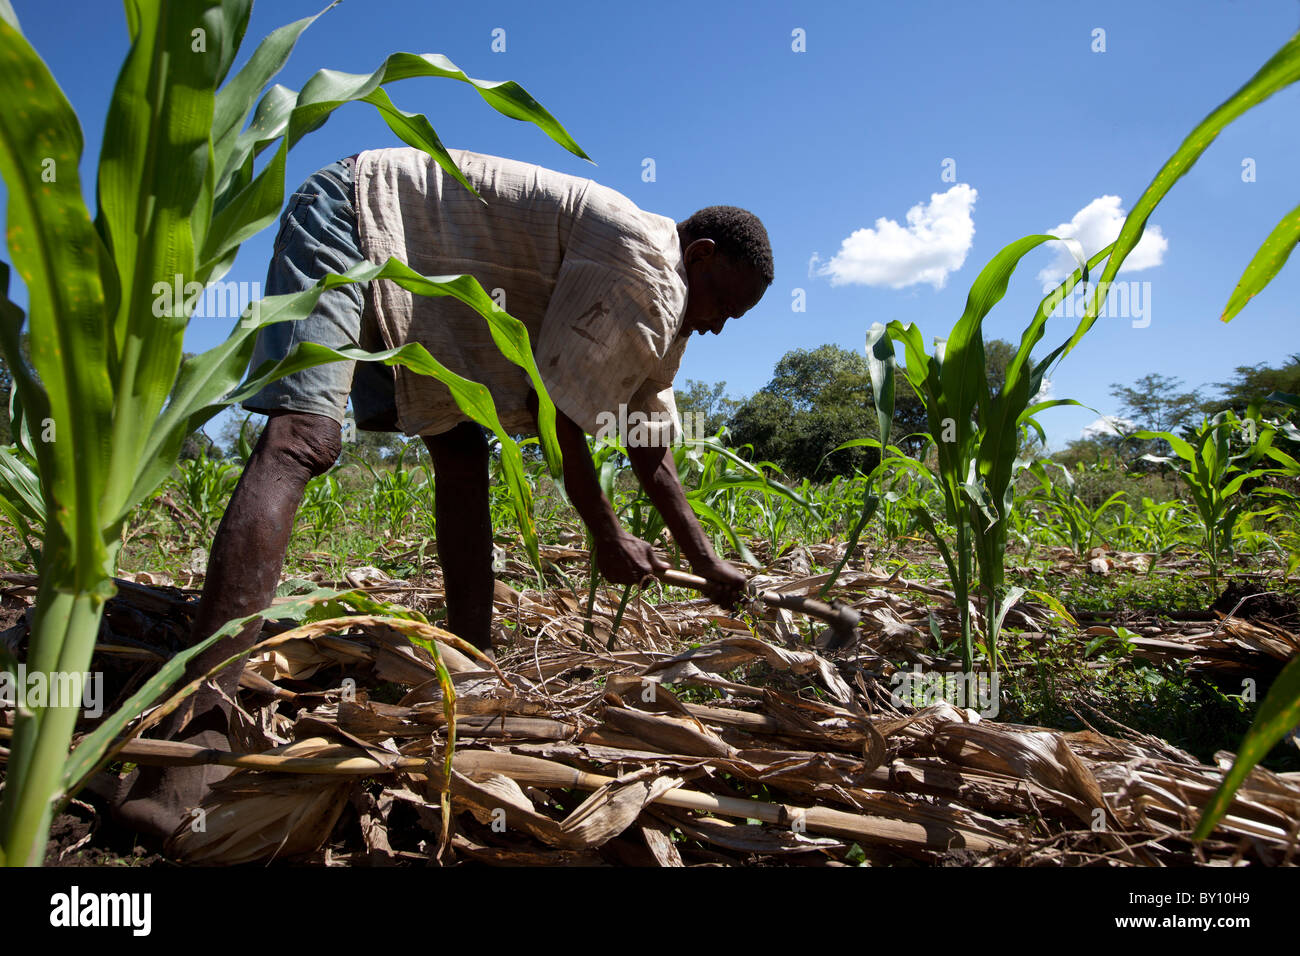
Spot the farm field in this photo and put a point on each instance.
(1138, 663)
(973, 629)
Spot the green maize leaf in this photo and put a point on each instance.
(1055, 606)
(1282, 458)
(916, 363)
(1108, 503)
(270, 119)
(747, 483)
(247, 209)
(855, 443)
(245, 204)
(203, 387)
(609, 469)
(18, 429)
(870, 504)
(964, 379)
(1278, 713)
(508, 98)
(235, 14)
(881, 363)
(924, 376)
(96, 748)
(713, 445)
(24, 494)
(1280, 71)
(1037, 407)
(979, 496)
(1181, 448)
(56, 251)
(472, 398)
(715, 520)
(896, 459)
(152, 174)
(1009, 410)
(1232, 487)
(1012, 598)
(25, 383)
(236, 100)
(1265, 264)
(8, 16)
(20, 522)
(241, 215)
(281, 112)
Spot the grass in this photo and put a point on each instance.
(1055, 687)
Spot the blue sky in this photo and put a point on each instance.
(840, 150)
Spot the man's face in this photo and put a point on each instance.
(717, 289)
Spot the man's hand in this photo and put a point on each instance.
(728, 583)
(626, 559)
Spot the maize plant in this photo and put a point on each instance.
(1159, 527)
(1216, 478)
(976, 433)
(106, 387)
(1079, 523)
(323, 503)
(205, 485)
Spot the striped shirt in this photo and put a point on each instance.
(599, 284)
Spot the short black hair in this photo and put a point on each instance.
(738, 233)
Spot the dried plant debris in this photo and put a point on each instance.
(702, 738)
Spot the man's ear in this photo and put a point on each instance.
(699, 250)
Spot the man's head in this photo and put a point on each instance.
(728, 266)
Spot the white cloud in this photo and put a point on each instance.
(1096, 226)
(1046, 391)
(933, 244)
(1108, 425)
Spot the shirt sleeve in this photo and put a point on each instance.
(655, 400)
(608, 351)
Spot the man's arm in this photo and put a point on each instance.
(657, 472)
(622, 558)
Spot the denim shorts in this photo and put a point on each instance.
(318, 236)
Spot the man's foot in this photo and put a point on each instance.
(154, 801)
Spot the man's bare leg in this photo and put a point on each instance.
(243, 570)
(464, 519)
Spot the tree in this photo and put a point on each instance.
(1253, 383)
(816, 399)
(375, 447)
(707, 401)
(234, 427)
(1092, 450)
(6, 383)
(820, 398)
(6, 387)
(1154, 403)
(199, 445)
